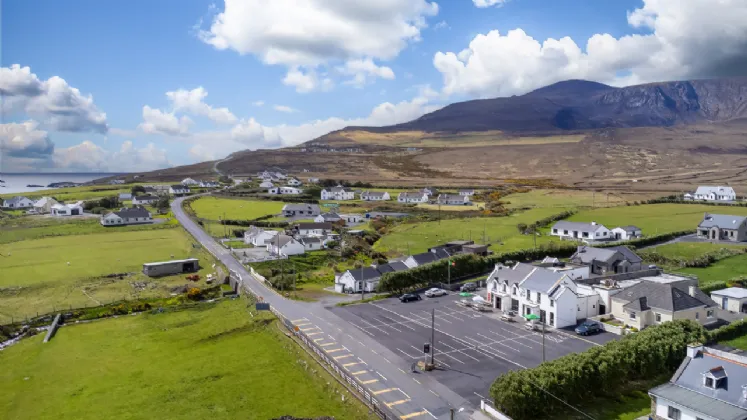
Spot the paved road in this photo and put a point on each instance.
(383, 373)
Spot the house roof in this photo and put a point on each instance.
(392, 266)
(44, 201)
(640, 304)
(541, 279)
(301, 207)
(330, 216)
(373, 193)
(310, 240)
(718, 190)
(431, 190)
(627, 253)
(698, 402)
(338, 189)
(179, 187)
(665, 296)
(323, 225)
(579, 226)
(450, 197)
(467, 190)
(17, 199)
(146, 197)
(425, 258)
(364, 273)
(280, 240)
(722, 221)
(629, 228)
(127, 213)
(732, 292)
(515, 274)
(411, 194)
(587, 254)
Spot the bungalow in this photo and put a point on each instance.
(604, 261)
(178, 190)
(709, 193)
(284, 245)
(723, 227)
(626, 233)
(125, 196)
(649, 303)
(582, 231)
(44, 205)
(116, 182)
(709, 384)
(293, 182)
(468, 192)
(284, 190)
(415, 197)
(430, 192)
(375, 196)
(425, 258)
(258, 236)
(732, 299)
(337, 193)
(189, 181)
(159, 189)
(313, 180)
(351, 218)
(18, 202)
(308, 210)
(453, 199)
(146, 199)
(67, 209)
(312, 243)
(209, 184)
(358, 279)
(266, 184)
(314, 229)
(328, 217)
(392, 267)
(127, 216)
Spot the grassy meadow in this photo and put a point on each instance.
(722, 270)
(210, 362)
(213, 208)
(689, 250)
(567, 199)
(78, 193)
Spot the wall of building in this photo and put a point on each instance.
(700, 312)
(662, 411)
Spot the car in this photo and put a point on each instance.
(588, 327)
(508, 316)
(435, 292)
(468, 287)
(409, 297)
(535, 325)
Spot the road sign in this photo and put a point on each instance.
(262, 306)
(426, 348)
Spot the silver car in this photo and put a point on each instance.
(435, 292)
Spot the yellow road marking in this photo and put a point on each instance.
(351, 364)
(359, 372)
(392, 404)
(299, 320)
(342, 357)
(411, 415)
(385, 390)
(314, 333)
(316, 340)
(370, 381)
(334, 350)
(309, 329)
(327, 344)
(302, 324)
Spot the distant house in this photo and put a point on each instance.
(44, 205)
(127, 216)
(178, 190)
(412, 197)
(293, 182)
(313, 229)
(160, 189)
(430, 192)
(425, 258)
(723, 227)
(338, 193)
(145, 199)
(626, 233)
(67, 209)
(208, 184)
(18, 202)
(284, 190)
(190, 181)
(351, 218)
(125, 196)
(258, 236)
(375, 196)
(581, 231)
(308, 210)
(357, 280)
(151, 190)
(284, 245)
(732, 299)
(709, 384)
(313, 180)
(603, 261)
(467, 192)
(116, 182)
(266, 184)
(328, 217)
(453, 199)
(709, 193)
(312, 243)
(649, 303)
(166, 268)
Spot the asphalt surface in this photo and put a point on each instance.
(472, 348)
(380, 371)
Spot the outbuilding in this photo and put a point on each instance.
(732, 299)
(167, 268)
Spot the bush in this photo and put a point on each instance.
(728, 332)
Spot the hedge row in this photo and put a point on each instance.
(599, 371)
(740, 281)
(730, 331)
(258, 223)
(704, 260)
(671, 200)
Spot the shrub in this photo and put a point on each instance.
(728, 332)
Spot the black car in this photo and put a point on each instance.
(409, 297)
(588, 327)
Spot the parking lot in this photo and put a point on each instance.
(471, 348)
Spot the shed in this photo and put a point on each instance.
(475, 249)
(732, 299)
(166, 268)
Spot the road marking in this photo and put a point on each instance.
(385, 391)
(411, 415)
(400, 369)
(408, 355)
(350, 364)
(327, 344)
(342, 357)
(370, 381)
(392, 404)
(382, 376)
(490, 400)
(314, 333)
(309, 329)
(302, 324)
(299, 320)
(316, 340)
(374, 351)
(433, 392)
(416, 381)
(334, 350)
(577, 337)
(351, 336)
(359, 372)
(387, 360)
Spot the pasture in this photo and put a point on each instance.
(73, 194)
(722, 270)
(568, 199)
(689, 250)
(208, 362)
(213, 208)
(35, 275)
(35, 227)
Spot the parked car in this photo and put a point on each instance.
(409, 297)
(435, 292)
(588, 327)
(508, 316)
(468, 287)
(534, 326)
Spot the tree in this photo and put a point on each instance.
(225, 179)
(163, 204)
(522, 227)
(314, 191)
(137, 189)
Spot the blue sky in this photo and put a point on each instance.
(327, 63)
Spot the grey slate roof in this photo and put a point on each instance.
(411, 195)
(364, 273)
(301, 207)
(640, 304)
(587, 254)
(698, 402)
(323, 225)
(372, 194)
(398, 266)
(310, 240)
(515, 274)
(15, 200)
(541, 280)
(664, 296)
(339, 189)
(579, 226)
(627, 253)
(722, 221)
(146, 197)
(425, 258)
(450, 197)
(280, 240)
(179, 187)
(330, 216)
(128, 213)
(629, 228)
(732, 292)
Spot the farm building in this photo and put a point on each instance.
(167, 268)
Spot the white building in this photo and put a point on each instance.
(258, 236)
(300, 209)
(127, 216)
(284, 245)
(430, 192)
(146, 199)
(467, 192)
(189, 181)
(338, 193)
(375, 196)
(732, 299)
(209, 184)
(581, 231)
(412, 197)
(293, 182)
(44, 205)
(351, 218)
(67, 209)
(312, 243)
(626, 233)
(314, 229)
(718, 193)
(357, 279)
(266, 184)
(453, 199)
(284, 191)
(178, 190)
(328, 217)
(313, 180)
(18, 202)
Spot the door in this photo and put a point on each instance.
(552, 319)
(724, 303)
(542, 315)
(602, 309)
(515, 305)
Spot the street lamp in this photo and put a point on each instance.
(534, 317)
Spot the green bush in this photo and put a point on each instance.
(729, 332)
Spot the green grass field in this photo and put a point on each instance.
(217, 208)
(78, 193)
(565, 199)
(434, 207)
(501, 232)
(35, 275)
(739, 343)
(689, 250)
(722, 270)
(654, 218)
(211, 362)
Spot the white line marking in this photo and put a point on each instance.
(400, 369)
(432, 392)
(416, 381)
(382, 376)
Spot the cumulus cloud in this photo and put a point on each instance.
(24, 140)
(441, 25)
(488, 3)
(306, 34)
(156, 121)
(53, 102)
(306, 81)
(192, 102)
(687, 39)
(258, 103)
(284, 108)
(88, 156)
(364, 71)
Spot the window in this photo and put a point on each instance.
(697, 315)
(658, 317)
(565, 232)
(632, 315)
(585, 234)
(708, 382)
(605, 233)
(673, 413)
(539, 297)
(709, 313)
(552, 303)
(554, 231)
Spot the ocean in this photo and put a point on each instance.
(17, 183)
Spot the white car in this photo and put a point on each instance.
(435, 292)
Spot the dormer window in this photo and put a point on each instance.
(715, 378)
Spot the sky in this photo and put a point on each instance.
(140, 85)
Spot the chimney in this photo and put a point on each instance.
(744, 391)
(694, 349)
(691, 290)
(593, 223)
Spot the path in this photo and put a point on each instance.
(408, 396)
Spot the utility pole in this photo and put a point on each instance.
(543, 341)
(439, 212)
(593, 193)
(363, 288)
(449, 272)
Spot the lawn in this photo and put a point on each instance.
(722, 270)
(41, 275)
(435, 207)
(212, 208)
(739, 343)
(210, 362)
(654, 218)
(566, 199)
(689, 250)
(501, 232)
(78, 193)
(627, 407)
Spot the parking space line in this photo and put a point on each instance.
(350, 364)
(334, 350)
(427, 320)
(578, 338)
(303, 323)
(370, 381)
(438, 311)
(383, 391)
(416, 381)
(402, 324)
(460, 351)
(515, 340)
(299, 320)
(314, 333)
(382, 376)
(433, 392)
(316, 340)
(311, 328)
(411, 415)
(327, 344)
(406, 354)
(359, 372)
(492, 343)
(392, 404)
(342, 357)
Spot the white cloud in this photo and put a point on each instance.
(88, 156)
(488, 3)
(306, 81)
(441, 25)
(57, 105)
(364, 71)
(258, 103)
(311, 33)
(192, 102)
(284, 108)
(24, 140)
(156, 121)
(688, 39)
